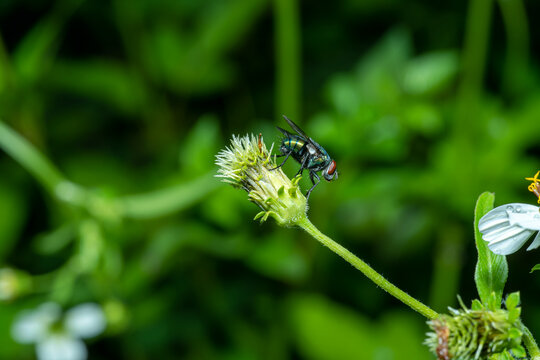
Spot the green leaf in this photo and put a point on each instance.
(476, 305)
(502, 356)
(37, 50)
(199, 146)
(13, 211)
(430, 73)
(279, 258)
(106, 81)
(512, 300)
(491, 270)
(54, 241)
(535, 267)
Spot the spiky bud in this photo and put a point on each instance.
(479, 333)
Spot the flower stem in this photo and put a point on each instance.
(288, 58)
(373, 275)
(29, 157)
(530, 343)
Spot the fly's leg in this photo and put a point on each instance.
(286, 157)
(312, 175)
(302, 166)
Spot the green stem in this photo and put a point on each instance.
(166, 201)
(530, 343)
(29, 157)
(516, 68)
(373, 275)
(473, 66)
(287, 45)
(141, 206)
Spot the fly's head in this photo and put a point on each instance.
(330, 173)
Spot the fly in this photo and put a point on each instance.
(308, 154)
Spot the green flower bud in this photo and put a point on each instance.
(247, 164)
(13, 284)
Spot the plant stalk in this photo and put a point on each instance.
(368, 271)
(530, 343)
(288, 58)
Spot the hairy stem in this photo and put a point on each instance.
(530, 343)
(373, 275)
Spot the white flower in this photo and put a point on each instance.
(508, 227)
(57, 337)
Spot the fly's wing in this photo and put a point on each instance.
(317, 149)
(506, 228)
(285, 132)
(296, 128)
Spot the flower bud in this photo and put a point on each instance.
(468, 334)
(247, 164)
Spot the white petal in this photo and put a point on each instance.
(535, 243)
(506, 228)
(61, 347)
(85, 320)
(33, 325)
(509, 245)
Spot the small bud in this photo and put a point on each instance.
(247, 164)
(474, 334)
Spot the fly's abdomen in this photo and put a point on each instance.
(293, 144)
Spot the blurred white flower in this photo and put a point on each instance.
(59, 337)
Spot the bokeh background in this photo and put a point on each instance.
(423, 104)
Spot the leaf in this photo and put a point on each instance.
(37, 50)
(512, 300)
(279, 258)
(54, 241)
(476, 305)
(13, 212)
(535, 267)
(430, 73)
(491, 270)
(200, 144)
(106, 81)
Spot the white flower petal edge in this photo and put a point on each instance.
(508, 227)
(85, 320)
(33, 325)
(61, 347)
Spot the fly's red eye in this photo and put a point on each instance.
(332, 168)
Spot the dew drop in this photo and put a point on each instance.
(509, 208)
(518, 208)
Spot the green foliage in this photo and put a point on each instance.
(111, 115)
(349, 335)
(491, 270)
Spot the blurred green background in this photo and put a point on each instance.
(423, 105)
